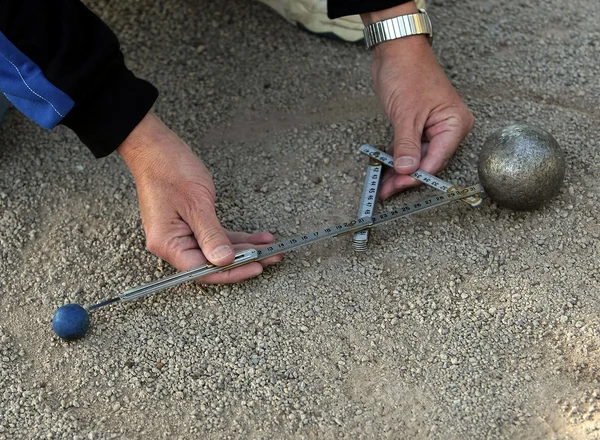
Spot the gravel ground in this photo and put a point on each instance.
(458, 323)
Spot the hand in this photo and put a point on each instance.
(177, 203)
(429, 118)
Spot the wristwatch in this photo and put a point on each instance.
(398, 27)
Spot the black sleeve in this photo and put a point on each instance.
(340, 8)
(79, 55)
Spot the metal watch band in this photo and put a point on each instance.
(398, 27)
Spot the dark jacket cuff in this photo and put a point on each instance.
(104, 120)
(340, 8)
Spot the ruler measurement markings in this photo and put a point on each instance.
(368, 203)
(366, 223)
(423, 176)
(251, 255)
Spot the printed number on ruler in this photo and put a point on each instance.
(425, 177)
(366, 222)
(368, 203)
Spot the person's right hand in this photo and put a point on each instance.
(428, 116)
(177, 203)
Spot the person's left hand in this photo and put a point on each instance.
(177, 204)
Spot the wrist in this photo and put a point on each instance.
(133, 145)
(411, 48)
(396, 11)
(401, 28)
(145, 145)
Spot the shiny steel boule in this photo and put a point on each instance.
(521, 167)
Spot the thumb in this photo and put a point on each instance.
(407, 146)
(211, 236)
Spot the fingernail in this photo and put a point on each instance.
(220, 252)
(405, 162)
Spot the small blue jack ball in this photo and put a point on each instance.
(71, 321)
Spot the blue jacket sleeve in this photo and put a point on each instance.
(60, 64)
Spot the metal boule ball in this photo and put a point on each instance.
(521, 167)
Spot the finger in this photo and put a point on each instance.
(424, 149)
(389, 174)
(186, 259)
(182, 252)
(267, 261)
(187, 255)
(234, 275)
(271, 260)
(256, 238)
(445, 135)
(396, 184)
(407, 146)
(393, 183)
(211, 236)
(441, 149)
